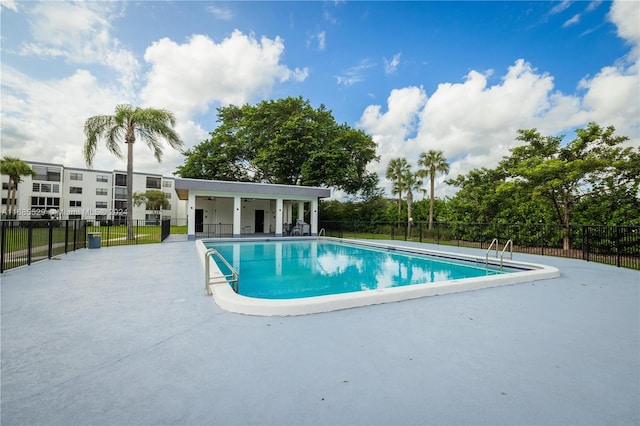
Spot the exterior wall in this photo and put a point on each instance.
(95, 194)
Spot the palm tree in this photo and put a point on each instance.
(149, 124)
(411, 182)
(15, 169)
(396, 170)
(433, 163)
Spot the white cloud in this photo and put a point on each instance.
(322, 40)
(43, 120)
(476, 124)
(624, 14)
(572, 21)
(221, 13)
(81, 34)
(560, 7)
(391, 129)
(9, 4)
(192, 76)
(354, 75)
(391, 66)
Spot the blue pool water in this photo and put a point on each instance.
(308, 268)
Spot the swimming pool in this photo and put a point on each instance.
(301, 276)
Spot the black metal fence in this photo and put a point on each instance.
(615, 245)
(214, 230)
(23, 242)
(117, 234)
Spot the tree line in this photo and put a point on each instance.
(593, 179)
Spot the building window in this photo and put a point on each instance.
(102, 178)
(101, 191)
(55, 187)
(75, 176)
(121, 180)
(75, 203)
(50, 174)
(120, 193)
(36, 187)
(166, 184)
(5, 185)
(45, 187)
(168, 207)
(75, 216)
(45, 202)
(74, 190)
(168, 195)
(101, 204)
(120, 205)
(153, 183)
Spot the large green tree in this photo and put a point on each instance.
(128, 123)
(15, 169)
(284, 141)
(433, 162)
(153, 200)
(595, 162)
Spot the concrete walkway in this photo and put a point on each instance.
(126, 335)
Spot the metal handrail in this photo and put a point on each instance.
(486, 257)
(510, 245)
(322, 232)
(233, 278)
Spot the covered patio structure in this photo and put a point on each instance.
(220, 208)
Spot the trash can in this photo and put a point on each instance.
(94, 239)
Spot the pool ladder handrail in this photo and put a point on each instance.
(508, 244)
(322, 232)
(233, 278)
(486, 257)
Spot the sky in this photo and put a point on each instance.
(460, 77)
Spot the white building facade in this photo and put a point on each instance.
(79, 193)
(222, 208)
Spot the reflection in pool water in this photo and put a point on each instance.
(295, 269)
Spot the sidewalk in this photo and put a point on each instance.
(126, 335)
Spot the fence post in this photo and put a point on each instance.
(50, 248)
(585, 239)
(618, 259)
(66, 236)
(29, 242)
(420, 230)
(3, 239)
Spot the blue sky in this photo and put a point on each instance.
(461, 77)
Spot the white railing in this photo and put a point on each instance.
(508, 244)
(233, 278)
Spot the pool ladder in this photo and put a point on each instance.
(232, 278)
(508, 244)
(322, 232)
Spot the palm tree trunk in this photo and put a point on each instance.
(130, 190)
(12, 199)
(399, 209)
(566, 242)
(432, 177)
(409, 211)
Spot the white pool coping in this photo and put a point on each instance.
(229, 300)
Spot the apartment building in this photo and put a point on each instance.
(77, 193)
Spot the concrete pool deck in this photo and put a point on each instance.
(126, 335)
